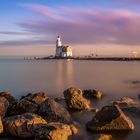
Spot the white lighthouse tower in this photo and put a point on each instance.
(58, 42)
(58, 47)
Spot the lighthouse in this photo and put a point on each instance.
(58, 42)
(61, 50)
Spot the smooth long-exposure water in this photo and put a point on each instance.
(114, 79)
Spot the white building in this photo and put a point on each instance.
(61, 50)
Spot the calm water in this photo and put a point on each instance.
(114, 79)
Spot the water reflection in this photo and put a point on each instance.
(64, 74)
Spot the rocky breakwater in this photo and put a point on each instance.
(37, 116)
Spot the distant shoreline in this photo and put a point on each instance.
(92, 58)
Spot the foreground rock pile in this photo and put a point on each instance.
(40, 117)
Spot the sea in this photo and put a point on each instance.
(115, 79)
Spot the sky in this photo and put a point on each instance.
(103, 27)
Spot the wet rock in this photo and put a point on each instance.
(4, 104)
(1, 126)
(55, 131)
(36, 98)
(125, 101)
(24, 106)
(29, 103)
(91, 93)
(22, 125)
(110, 118)
(75, 100)
(53, 111)
(9, 97)
(104, 137)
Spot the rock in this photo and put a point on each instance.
(4, 104)
(36, 98)
(12, 101)
(1, 126)
(55, 131)
(9, 97)
(125, 101)
(110, 118)
(22, 125)
(91, 93)
(24, 106)
(29, 103)
(104, 137)
(75, 100)
(53, 111)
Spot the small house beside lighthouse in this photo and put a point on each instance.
(61, 50)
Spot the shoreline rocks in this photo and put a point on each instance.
(39, 117)
(75, 100)
(110, 118)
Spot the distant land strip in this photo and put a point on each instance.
(93, 58)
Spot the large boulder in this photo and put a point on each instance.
(92, 93)
(22, 125)
(55, 131)
(29, 103)
(53, 111)
(110, 118)
(9, 97)
(75, 100)
(4, 104)
(1, 126)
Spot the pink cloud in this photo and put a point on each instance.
(42, 10)
(86, 26)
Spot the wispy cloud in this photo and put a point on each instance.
(14, 33)
(25, 42)
(88, 26)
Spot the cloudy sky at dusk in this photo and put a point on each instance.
(105, 27)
